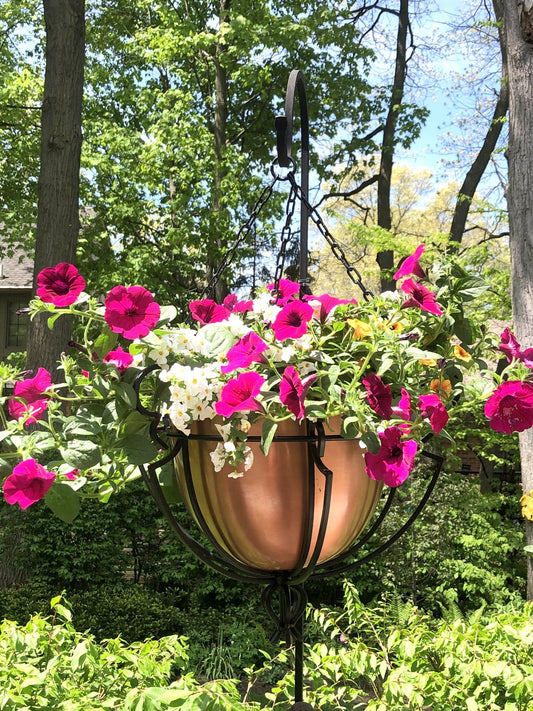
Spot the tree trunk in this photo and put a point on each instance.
(478, 167)
(518, 37)
(385, 258)
(58, 200)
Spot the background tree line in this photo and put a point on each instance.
(176, 105)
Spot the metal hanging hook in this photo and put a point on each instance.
(284, 134)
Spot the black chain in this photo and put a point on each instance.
(286, 233)
(286, 236)
(337, 250)
(241, 236)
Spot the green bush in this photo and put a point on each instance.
(44, 665)
(367, 661)
(465, 549)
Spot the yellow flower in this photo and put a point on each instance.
(428, 361)
(360, 328)
(527, 506)
(444, 386)
(460, 353)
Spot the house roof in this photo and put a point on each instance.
(16, 272)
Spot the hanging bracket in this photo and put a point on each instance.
(284, 134)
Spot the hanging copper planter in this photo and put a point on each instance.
(270, 519)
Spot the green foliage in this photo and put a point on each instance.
(368, 661)
(465, 549)
(44, 664)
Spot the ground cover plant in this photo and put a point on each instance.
(389, 657)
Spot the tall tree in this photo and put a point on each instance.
(180, 126)
(490, 141)
(518, 39)
(58, 191)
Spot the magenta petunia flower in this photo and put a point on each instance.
(292, 390)
(379, 395)
(431, 407)
(510, 407)
(403, 408)
(292, 320)
(246, 351)
(28, 483)
(238, 395)
(410, 265)
(395, 459)
(131, 311)
(287, 290)
(60, 285)
(327, 304)
(510, 346)
(208, 311)
(421, 297)
(120, 358)
(233, 305)
(33, 392)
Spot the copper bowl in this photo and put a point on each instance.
(261, 518)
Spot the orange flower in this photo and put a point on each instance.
(428, 361)
(460, 353)
(360, 328)
(444, 386)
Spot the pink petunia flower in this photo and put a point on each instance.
(431, 407)
(510, 346)
(292, 320)
(403, 408)
(60, 285)
(33, 391)
(246, 351)
(510, 407)
(120, 358)
(28, 483)
(421, 297)
(238, 395)
(395, 459)
(233, 305)
(410, 265)
(379, 395)
(292, 390)
(131, 311)
(287, 290)
(326, 304)
(208, 311)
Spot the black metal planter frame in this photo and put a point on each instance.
(284, 594)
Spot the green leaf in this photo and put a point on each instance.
(168, 314)
(51, 321)
(105, 342)
(126, 393)
(133, 423)
(267, 435)
(63, 501)
(219, 337)
(529, 549)
(471, 288)
(494, 669)
(137, 450)
(81, 454)
(372, 442)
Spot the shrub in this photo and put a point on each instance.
(49, 665)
